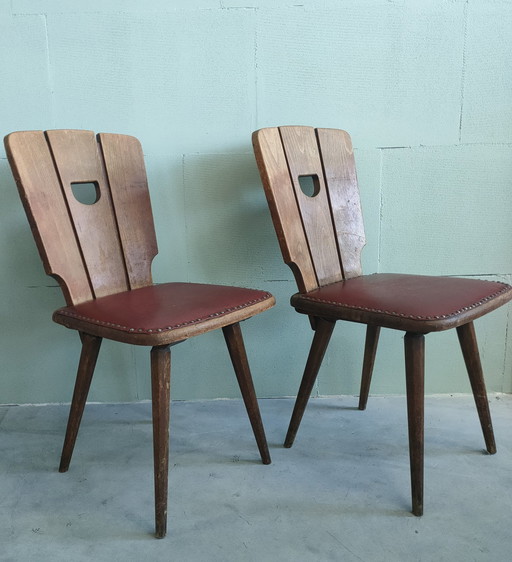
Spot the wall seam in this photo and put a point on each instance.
(463, 73)
(50, 73)
(138, 393)
(256, 97)
(185, 214)
(505, 355)
(381, 203)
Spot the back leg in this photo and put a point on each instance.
(90, 349)
(323, 332)
(236, 348)
(370, 350)
(469, 346)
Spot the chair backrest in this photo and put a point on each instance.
(95, 248)
(310, 181)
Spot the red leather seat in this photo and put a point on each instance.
(162, 314)
(414, 303)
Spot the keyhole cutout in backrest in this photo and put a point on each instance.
(86, 192)
(309, 185)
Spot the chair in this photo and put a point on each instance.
(99, 245)
(310, 183)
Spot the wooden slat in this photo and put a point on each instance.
(276, 181)
(40, 191)
(124, 163)
(340, 174)
(301, 149)
(77, 160)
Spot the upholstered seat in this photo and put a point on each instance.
(414, 303)
(163, 314)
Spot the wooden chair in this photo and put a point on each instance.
(100, 251)
(310, 182)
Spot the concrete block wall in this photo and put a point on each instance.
(423, 86)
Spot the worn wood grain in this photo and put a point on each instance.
(343, 192)
(77, 159)
(272, 164)
(40, 190)
(303, 158)
(126, 174)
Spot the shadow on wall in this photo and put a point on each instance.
(27, 299)
(230, 238)
(39, 357)
(26, 291)
(20, 262)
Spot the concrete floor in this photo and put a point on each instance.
(341, 492)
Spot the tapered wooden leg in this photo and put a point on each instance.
(469, 346)
(236, 348)
(161, 394)
(90, 349)
(370, 350)
(323, 332)
(415, 377)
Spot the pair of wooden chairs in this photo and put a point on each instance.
(100, 247)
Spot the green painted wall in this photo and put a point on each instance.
(425, 89)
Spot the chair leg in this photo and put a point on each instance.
(469, 346)
(90, 349)
(236, 348)
(160, 395)
(415, 377)
(323, 332)
(370, 350)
